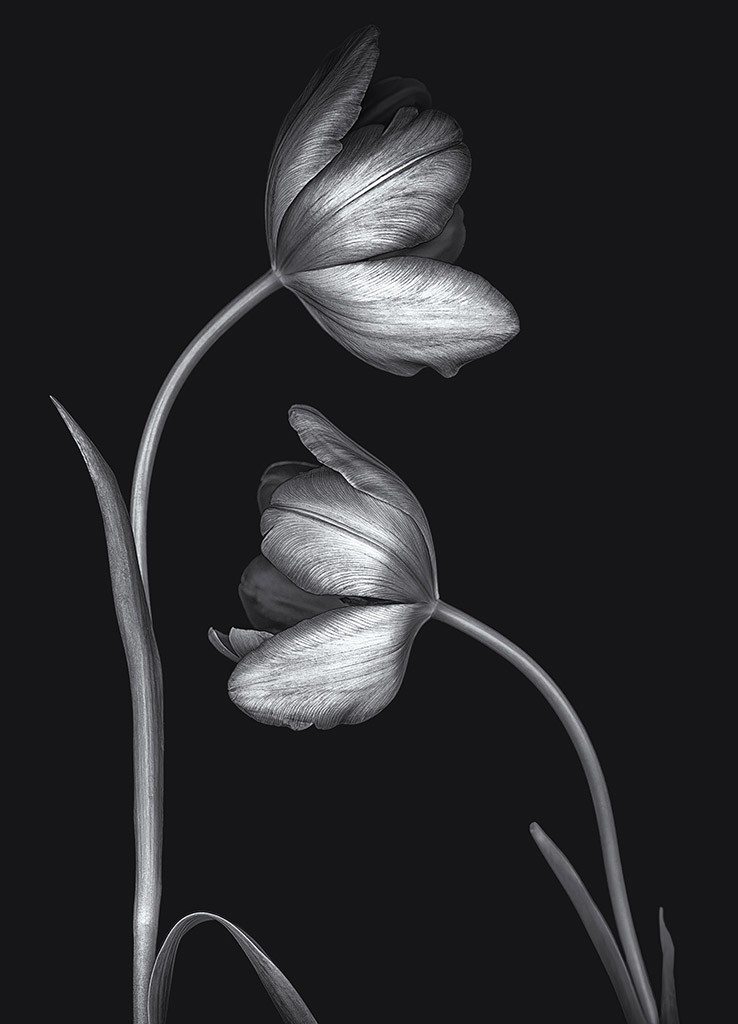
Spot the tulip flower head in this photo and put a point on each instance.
(346, 578)
(363, 222)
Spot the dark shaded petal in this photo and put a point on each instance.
(342, 667)
(359, 467)
(388, 189)
(311, 133)
(445, 247)
(329, 538)
(404, 313)
(273, 602)
(384, 98)
(275, 475)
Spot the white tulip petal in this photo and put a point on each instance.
(342, 667)
(311, 133)
(389, 188)
(273, 602)
(358, 466)
(404, 312)
(329, 538)
(275, 475)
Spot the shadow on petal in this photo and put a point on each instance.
(272, 602)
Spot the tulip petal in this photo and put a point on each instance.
(384, 98)
(340, 668)
(221, 643)
(447, 246)
(404, 313)
(388, 189)
(329, 538)
(275, 475)
(273, 602)
(358, 466)
(311, 133)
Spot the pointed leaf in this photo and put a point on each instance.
(597, 928)
(144, 670)
(669, 1011)
(288, 1002)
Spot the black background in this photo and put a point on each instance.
(386, 868)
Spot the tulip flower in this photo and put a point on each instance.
(348, 567)
(361, 212)
(363, 225)
(346, 578)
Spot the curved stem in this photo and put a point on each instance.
(597, 786)
(165, 400)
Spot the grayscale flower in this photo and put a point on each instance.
(346, 579)
(363, 222)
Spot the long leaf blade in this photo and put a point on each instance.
(669, 1011)
(144, 672)
(288, 1002)
(597, 928)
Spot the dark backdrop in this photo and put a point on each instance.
(386, 868)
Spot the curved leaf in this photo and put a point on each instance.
(597, 928)
(144, 671)
(291, 1007)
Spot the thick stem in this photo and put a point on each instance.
(597, 786)
(165, 400)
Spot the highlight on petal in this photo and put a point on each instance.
(403, 313)
(384, 98)
(275, 475)
(340, 668)
(311, 133)
(329, 538)
(358, 466)
(290, 1005)
(388, 189)
(273, 602)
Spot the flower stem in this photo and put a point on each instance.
(164, 401)
(597, 786)
(148, 736)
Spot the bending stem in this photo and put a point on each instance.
(165, 400)
(595, 778)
